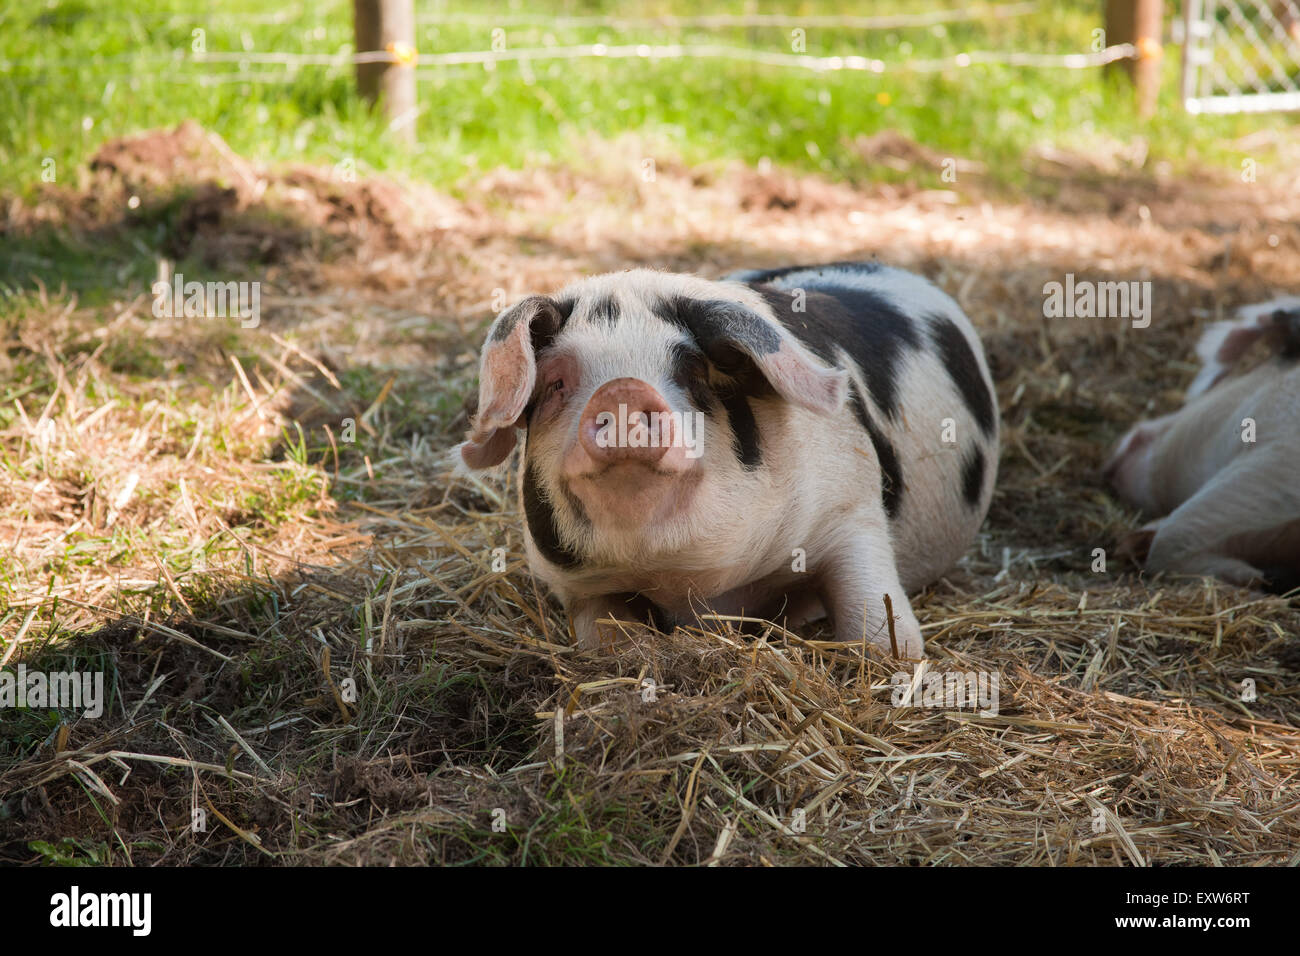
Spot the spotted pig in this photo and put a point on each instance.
(781, 444)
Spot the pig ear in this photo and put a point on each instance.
(507, 374)
(1222, 343)
(722, 328)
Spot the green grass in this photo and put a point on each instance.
(73, 74)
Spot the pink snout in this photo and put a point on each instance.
(1129, 468)
(630, 466)
(626, 421)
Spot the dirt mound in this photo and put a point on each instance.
(891, 148)
(232, 212)
(188, 154)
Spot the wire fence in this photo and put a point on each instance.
(1241, 55)
(1238, 55)
(676, 51)
(895, 21)
(431, 64)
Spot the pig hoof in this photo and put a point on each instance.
(598, 623)
(908, 637)
(592, 634)
(1244, 575)
(599, 637)
(1136, 545)
(906, 643)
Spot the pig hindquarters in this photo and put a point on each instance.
(1224, 471)
(822, 437)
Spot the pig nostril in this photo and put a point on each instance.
(626, 420)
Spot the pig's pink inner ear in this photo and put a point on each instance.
(491, 449)
(506, 378)
(507, 374)
(1236, 342)
(802, 379)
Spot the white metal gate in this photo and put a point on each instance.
(1241, 55)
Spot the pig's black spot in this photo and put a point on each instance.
(864, 324)
(891, 472)
(545, 316)
(730, 336)
(1288, 322)
(956, 355)
(604, 312)
(544, 333)
(758, 276)
(720, 328)
(540, 515)
(689, 370)
(575, 506)
(744, 428)
(972, 476)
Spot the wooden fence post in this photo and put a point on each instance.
(388, 25)
(1138, 22)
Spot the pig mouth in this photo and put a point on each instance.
(633, 494)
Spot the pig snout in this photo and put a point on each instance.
(626, 421)
(1110, 470)
(629, 465)
(1129, 469)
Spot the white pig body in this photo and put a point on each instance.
(1222, 474)
(847, 450)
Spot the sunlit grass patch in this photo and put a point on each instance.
(79, 74)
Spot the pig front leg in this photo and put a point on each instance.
(856, 576)
(1207, 564)
(590, 616)
(1252, 496)
(1136, 545)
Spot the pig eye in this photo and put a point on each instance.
(558, 377)
(549, 400)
